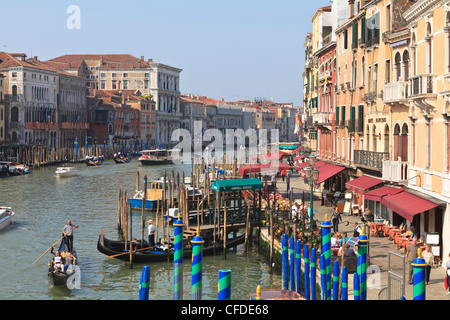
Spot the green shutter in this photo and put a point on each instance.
(351, 127)
(363, 28)
(342, 116)
(337, 116)
(361, 118)
(354, 35)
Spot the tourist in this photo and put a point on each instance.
(151, 233)
(58, 261)
(294, 210)
(428, 256)
(283, 174)
(69, 262)
(357, 230)
(334, 241)
(274, 180)
(288, 181)
(68, 234)
(335, 218)
(411, 254)
(448, 274)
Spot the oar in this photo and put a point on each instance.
(50, 247)
(128, 252)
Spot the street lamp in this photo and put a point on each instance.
(312, 175)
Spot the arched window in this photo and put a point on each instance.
(405, 65)
(14, 91)
(14, 114)
(414, 57)
(363, 71)
(398, 68)
(386, 139)
(429, 60)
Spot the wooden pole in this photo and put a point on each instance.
(225, 236)
(144, 198)
(131, 237)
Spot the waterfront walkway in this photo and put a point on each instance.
(378, 249)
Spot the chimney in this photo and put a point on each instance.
(351, 8)
(150, 60)
(142, 58)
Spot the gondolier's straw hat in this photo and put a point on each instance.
(150, 221)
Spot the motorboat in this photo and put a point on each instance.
(63, 172)
(156, 157)
(6, 215)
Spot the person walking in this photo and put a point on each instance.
(288, 182)
(68, 234)
(335, 218)
(283, 174)
(447, 277)
(428, 256)
(411, 254)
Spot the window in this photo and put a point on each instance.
(363, 70)
(114, 84)
(114, 75)
(345, 39)
(125, 75)
(103, 84)
(125, 84)
(146, 82)
(102, 75)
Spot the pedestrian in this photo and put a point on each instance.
(428, 256)
(283, 174)
(294, 210)
(68, 234)
(288, 182)
(274, 180)
(447, 275)
(151, 233)
(335, 218)
(357, 231)
(411, 254)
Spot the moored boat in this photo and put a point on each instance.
(116, 249)
(6, 215)
(8, 169)
(156, 157)
(63, 172)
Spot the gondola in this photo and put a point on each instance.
(122, 158)
(59, 278)
(117, 249)
(94, 161)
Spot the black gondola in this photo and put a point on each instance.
(59, 278)
(94, 161)
(117, 249)
(122, 158)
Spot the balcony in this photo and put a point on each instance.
(323, 118)
(396, 171)
(370, 97)
(324, 75)
(370, 160)
(422, 86)
(396, 92)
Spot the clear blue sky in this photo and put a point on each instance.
(227, 49)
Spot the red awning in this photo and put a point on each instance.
(378, 194)
(362, 183)
(407, 205)
(299, 157)
(327, 171)
(256, 168)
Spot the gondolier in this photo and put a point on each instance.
(151, 233)
(68, 234)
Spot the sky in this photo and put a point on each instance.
(233, 49)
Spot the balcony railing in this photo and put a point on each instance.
(322, 118)
(395, 170)
(370, 97)
(395, 92)
(422, 85)
(370, 159)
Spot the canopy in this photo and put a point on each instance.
(255, 168)
(362, 183)
(326, 170)
(237, 184)
(378, 194)
(407, 205)
(299, 157)
(276, 156)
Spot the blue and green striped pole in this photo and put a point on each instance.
(419, 287)
(336, 280)
(344, 283)
(326, 248)
(178, 259)
(363, 242)
(285, 262)
(356, 295)
(313, 273)
(145, 283)
(298, 264)
(224, 284)
(197, 265)
(292, 264)
(323, 277)
(306, 266)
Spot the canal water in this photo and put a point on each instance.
(43, 204)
